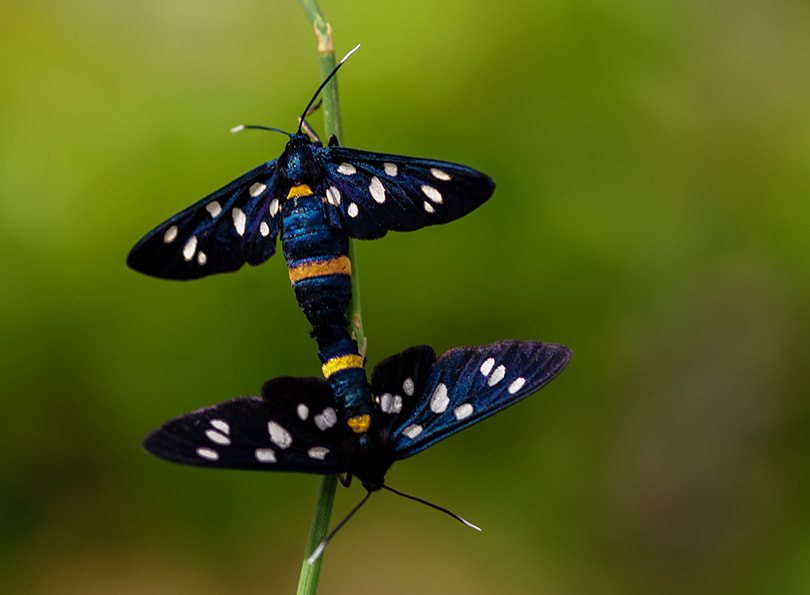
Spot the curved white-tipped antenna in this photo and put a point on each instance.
(326, 80)
(436, 506)
(349, 53)
(306, 112)
(242, 127)
(316, 553)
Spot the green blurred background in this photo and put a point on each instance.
(652, 213)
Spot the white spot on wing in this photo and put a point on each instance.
(377, 190)
(486, 367)
(264, 229)
(390, 403)
(463, 411)
(256, 189)
(326, 419)
(170, 235)
(408, 386)
(318, 452)
(190, 248)
(347, 169)
(516, 385)
(432, 193)
(390, 169)
(214, 208)
(439, 174)
(217, 437)
(202, 258)
(333, 196)
(352, 210)
(302, 411)
(265, 455)
(439, 399)
(239, 220)
(272, 208)
(497, 376)
(278, 435)
(221, 425)
(428, 207)
(412, 431)
(207, 453)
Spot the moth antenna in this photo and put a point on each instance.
(242, 127)
(436, 506)
(323, 84)
(318, 551)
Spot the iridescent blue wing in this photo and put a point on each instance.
(293, 427)
(234, 225)
(367, 194)
(464, 386)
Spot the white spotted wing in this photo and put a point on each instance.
(420, 400)
(464, 386)
(293, 427)
(235, 225)
(367, 194)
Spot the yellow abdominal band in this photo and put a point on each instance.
(340, 265)
(343, 362)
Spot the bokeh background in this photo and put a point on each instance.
(652, 212)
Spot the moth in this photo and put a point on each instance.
(418, 399)
(313, 198)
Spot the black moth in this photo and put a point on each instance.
(419, 400)
(357, 194)
(315, 198)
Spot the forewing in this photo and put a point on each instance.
(367, 194)
(218, 234)
(468, 384)
(292, 428)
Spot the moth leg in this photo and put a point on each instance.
(363, 347)
(314, 108)
(306, 127)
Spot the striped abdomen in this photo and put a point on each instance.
(320, 273)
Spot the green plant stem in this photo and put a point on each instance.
(310, 573)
